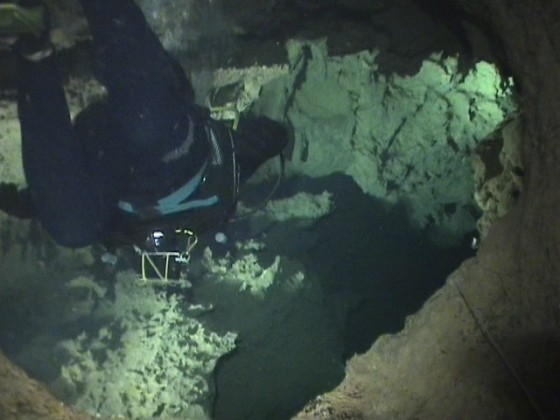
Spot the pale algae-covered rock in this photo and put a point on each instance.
(242, 87)
(301, 211)
(188, 25)
(301, 206)
(11, 166)
(402, 138)
(499, 173)
(149, 360)
(244, 272)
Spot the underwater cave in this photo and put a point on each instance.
(399, 262)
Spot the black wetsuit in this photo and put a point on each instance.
(148, 141)
(76, 186)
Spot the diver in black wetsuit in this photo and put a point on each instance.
(146, 156)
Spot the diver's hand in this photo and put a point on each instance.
(7, 42)
(15, 202)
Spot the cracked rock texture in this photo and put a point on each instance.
(498, 359)
(404, 139)
(498, 173)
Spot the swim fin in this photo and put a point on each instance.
(19, 20)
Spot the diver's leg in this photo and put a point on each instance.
(151, 114)
(69, 204)
(136, 70)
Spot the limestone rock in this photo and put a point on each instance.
(498, 174)
(23, 397)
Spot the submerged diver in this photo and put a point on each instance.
(146, 156)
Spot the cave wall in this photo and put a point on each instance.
(23, 397)
(403, 139)
(486, 345)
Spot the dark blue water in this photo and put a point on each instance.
(363, 251)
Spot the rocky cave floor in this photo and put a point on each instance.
(370, 268)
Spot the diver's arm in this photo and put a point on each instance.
(64, 193)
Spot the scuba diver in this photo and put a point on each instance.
(145, 157)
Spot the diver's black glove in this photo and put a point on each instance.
(257, 140)
(16, 202)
